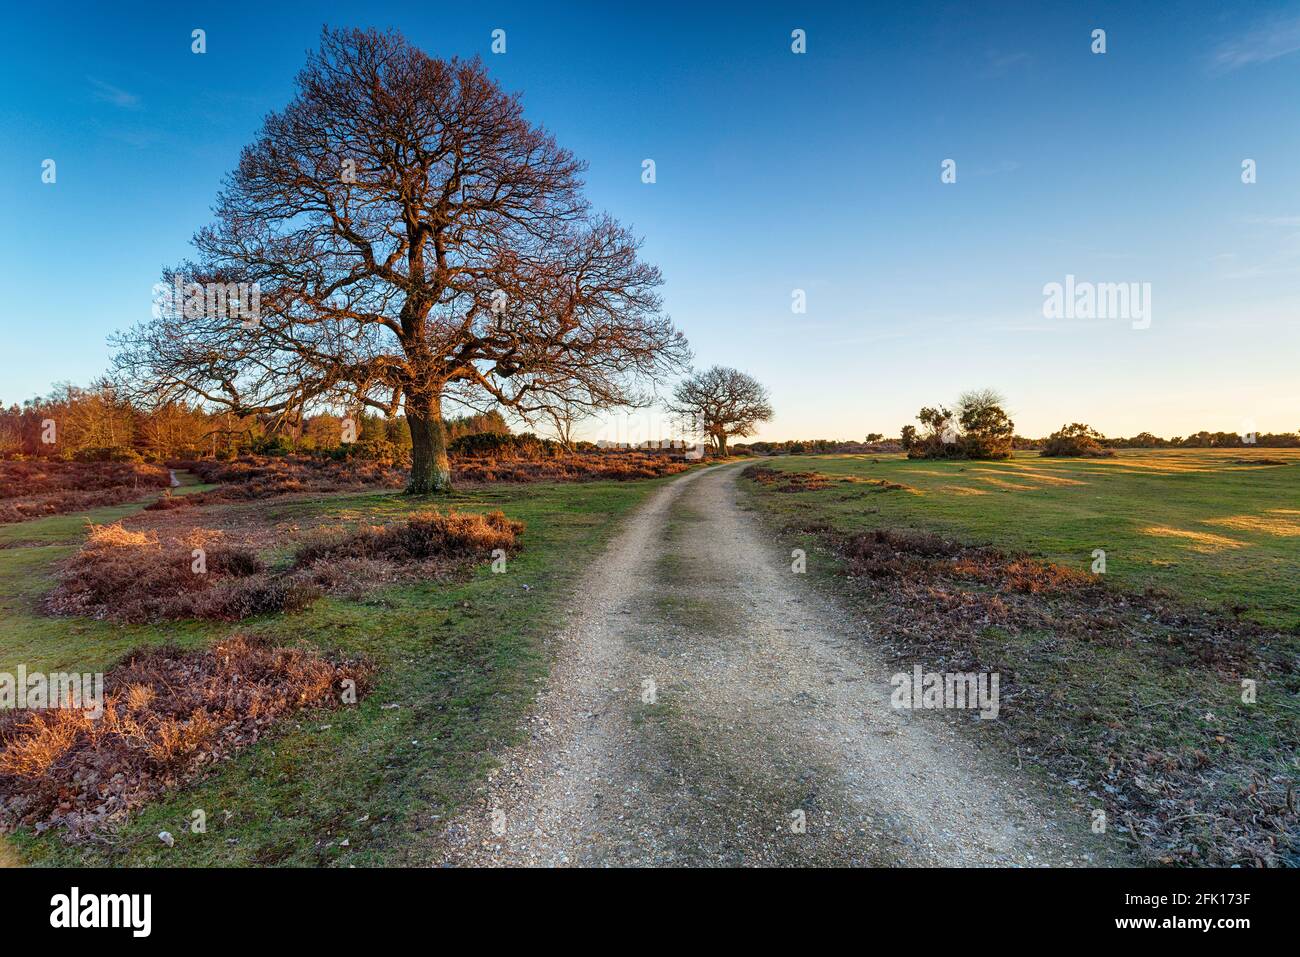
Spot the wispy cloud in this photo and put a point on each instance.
(1273, 220)
(997, 63)
(1284, 260)
(107, 93)
(1278, 39)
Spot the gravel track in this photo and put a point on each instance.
(768, 709)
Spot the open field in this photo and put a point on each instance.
(1128, 686)
(1204, 525)
(1120, 691)
(455, 661)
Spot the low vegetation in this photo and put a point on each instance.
(260, 476)
(127, 576)
(453, 662)
(480, 458)
(1129, 693)
(168, 716)
(618, 465)
(780, 480)
(1076, 439)
(134, 576)
(37, 488)
(426, 535)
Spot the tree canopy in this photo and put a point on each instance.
(410, 238)
(720, 403)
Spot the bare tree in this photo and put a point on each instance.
(413, 239)
(721, 402)
(564, 417)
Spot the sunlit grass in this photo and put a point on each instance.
(1203, 524)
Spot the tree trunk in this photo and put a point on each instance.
(722, 444)
(430, 470)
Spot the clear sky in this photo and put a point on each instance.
(776, 171)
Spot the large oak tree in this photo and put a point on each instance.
(414, 239)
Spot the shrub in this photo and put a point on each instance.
(455, 536)
(783, 481)
(252, 477)
(1076, 439)
(986, 428)
(168, 714)
(129, 576)
(112, 453)
(272, 445)
(980, 429)
(502, 445)
(379, 451)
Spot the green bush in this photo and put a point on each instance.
(502, 445)
(272, 445)
(380, 451)
(111, 453)
(1076, 439)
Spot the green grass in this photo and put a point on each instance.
(1192, 523)
(1110, 700)
(461, 661)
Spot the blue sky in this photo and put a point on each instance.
(775, 172)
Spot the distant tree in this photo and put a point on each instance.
(94, 418)
(986, 429)
(979, 429)
(474, 423)
(1076, 439)
(173, 429)
(1145, 440)
(11, 439)
(413, 239)
(322, 431)
(398, 432)
(908, 437)
(873, 437)
(939, 440)
(721, 403)
(564, 417)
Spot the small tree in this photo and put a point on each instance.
(940, 438)
(721, 403)
(564, 417)
(908, 437)
(986, 428)
(979, 429)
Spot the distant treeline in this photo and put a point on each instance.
(1198, 440)
(95, 424)
(1143, 440)
(816, 447)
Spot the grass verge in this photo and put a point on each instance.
(1134, 700)
(456, 666)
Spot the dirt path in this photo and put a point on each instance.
(768, 707)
